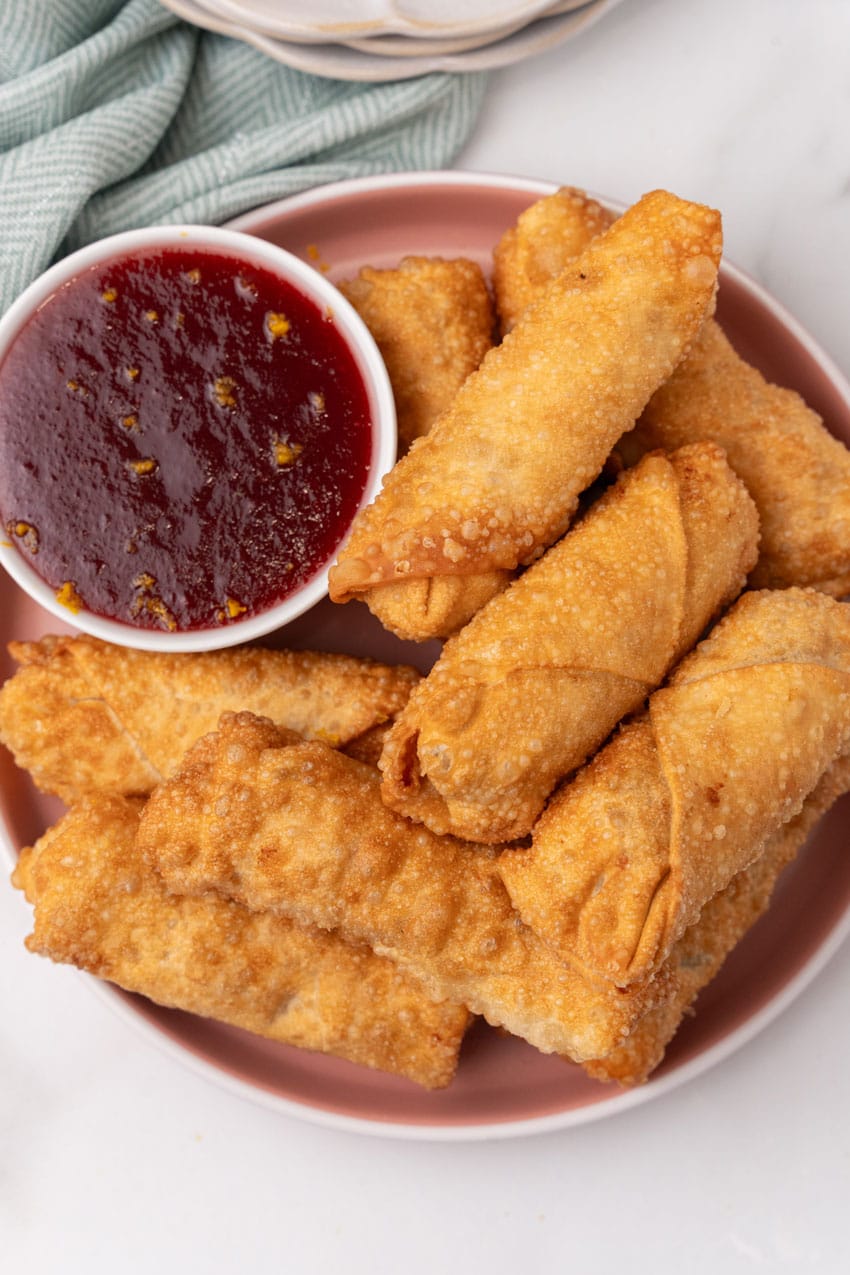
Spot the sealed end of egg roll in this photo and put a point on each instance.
(498, 478)
(542, 674)
(100, 907)
(84, 716)
(434, 605)
(684, 797)
(724, 921)
(300, 830)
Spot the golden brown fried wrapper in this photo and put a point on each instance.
(498, 478)
(435, 605)
(84, 716)
(546, 238)
(628, 853)
(99, 906)
(433, 322)
(702, 949)
(542, 674)
(796, 472)
(301, 830)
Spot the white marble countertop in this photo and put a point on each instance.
(114, 1157)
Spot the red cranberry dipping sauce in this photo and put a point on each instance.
(185, 438)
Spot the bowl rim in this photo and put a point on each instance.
(352, 330)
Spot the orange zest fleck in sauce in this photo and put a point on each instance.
(68, 596)
(146, 465)
(231, 610)
(224, 389)
(286, 453)
(25, 534)
(277, 325)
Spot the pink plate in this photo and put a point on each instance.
(503, 1087)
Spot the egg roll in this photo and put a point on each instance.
(546, 238)
(627, 854)
(797, 472)
(301, 830)
(724, 921)
(99, 906)
(498, 478)
(542, 674)
(433, 322)
(84, 716)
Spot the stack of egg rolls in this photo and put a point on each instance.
(498, 477)
(231, 847)
(300, 829)
(95, 723)
(542, 674)
(797, 473)
(98, 905)
(628, 854)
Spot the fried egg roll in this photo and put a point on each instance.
(626, 855)
(542, 674)
(546, 238)
(301, 830)
(433, 322)
(84, 716)
(797, 472)
(99, 906)
(723, 922)
(498, 478)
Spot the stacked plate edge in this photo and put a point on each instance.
(380, 40)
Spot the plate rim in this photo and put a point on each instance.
(619, 1101)
(341, 61)
(282, 28)
(486, 1131)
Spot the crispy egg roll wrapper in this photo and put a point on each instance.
(434, 606)
(547, 237)
(84, 716)
(542, 674)
(301, 830)
(100, 907)
(700, 952)
(433, 322)
(796, 471)
(498, 478)
(626, 855)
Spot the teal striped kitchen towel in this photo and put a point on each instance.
(114, 114)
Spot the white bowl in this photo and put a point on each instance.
(350, 326)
